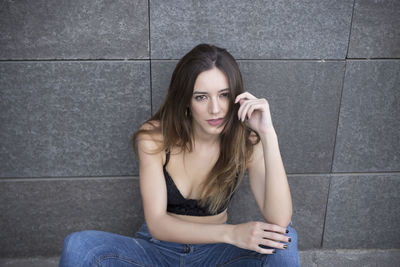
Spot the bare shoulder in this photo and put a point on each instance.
(150, 138)
(150, 125)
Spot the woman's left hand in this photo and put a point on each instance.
(257, 112)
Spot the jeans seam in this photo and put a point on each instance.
(115, 256)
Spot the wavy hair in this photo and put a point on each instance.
(175, 123)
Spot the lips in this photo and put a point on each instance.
(215, 122)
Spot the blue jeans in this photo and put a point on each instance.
(96, 248)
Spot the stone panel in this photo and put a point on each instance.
(304, 98)
(258, 30)
(309, 195)
(30, 262)
(37, 214)
(74, 29)
(357, 258)
(243, 206)
(307, 258)
(375, 31)
(363, 212)
(71, 118)
(368, 137)
(161, 73)
(350, 258)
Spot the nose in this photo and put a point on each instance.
(214, 106)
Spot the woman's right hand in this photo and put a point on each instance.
(252, 234)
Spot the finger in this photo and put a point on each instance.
(252, 105)
(244, 107)
(244, 96)
(259, 106)
(273, 244)
(264, 250)
(275, 236)
(250, 111)
(274, 228)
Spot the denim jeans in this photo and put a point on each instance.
(96, 248)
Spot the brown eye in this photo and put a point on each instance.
(225, 95)
(200, 97)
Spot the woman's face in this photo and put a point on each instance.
(210, 102)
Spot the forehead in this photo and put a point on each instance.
(212, 80)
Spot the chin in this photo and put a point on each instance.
(215, 130)
(209, 129)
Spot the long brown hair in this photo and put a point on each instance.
(175, 123)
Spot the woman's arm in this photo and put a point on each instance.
(267, 174)
(165, 227)
(268, 181)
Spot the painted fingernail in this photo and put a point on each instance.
(285, 246)
(287, 231)
(290, 240)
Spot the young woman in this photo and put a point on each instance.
(193, 154)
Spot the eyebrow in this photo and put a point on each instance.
(204, 93)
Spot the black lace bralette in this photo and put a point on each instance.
(178, 204)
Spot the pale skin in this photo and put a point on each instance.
(267, 175)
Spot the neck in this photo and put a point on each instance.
(203, 139)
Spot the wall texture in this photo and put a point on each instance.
(78, 77)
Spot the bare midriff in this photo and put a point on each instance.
(213, 219)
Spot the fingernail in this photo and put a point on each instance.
(290, 240)
(285, 246)
(274, 251)
(287, 231)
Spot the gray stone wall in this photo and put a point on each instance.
(78, 77)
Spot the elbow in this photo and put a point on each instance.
(283, 217)
(153, 228)
(285, 223)
(286, 220)
(282, 220)
(154, 225)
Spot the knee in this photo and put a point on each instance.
(76, 247)
(289, 256)
(79, 239)
(72, 238)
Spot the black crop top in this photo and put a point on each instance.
(178, 204)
